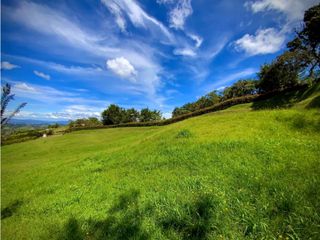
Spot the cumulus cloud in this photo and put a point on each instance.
(8, 66)
(179, 14)
(184, 52)
(270, 40)
(42, 75)
(263, 42)
(293, 9)
(121, 67)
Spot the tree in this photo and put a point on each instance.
(131, 115)
(306, 45)
(203, 102)
(113, 115)
(240, 88)
(146, 115)
(280, 74)
(179, 111)
(207, 100)
(6, 97)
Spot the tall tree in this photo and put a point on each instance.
(240, 88)
(6, 97)
(278, 75)
(131, 115)
(147, 115)
(306, 45)
(112, 115)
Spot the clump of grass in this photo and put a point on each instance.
(184, 133)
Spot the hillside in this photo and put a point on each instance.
(248, 172)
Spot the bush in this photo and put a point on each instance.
(85, 122)
(21, 136)
(185, 133)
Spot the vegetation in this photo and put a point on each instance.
(85, 122)
(208, 100)
(117, 115)
(306, 46)
(24, 135)
(234, 174)
(6, 97)
(55, 125)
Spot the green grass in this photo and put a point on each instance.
(234, 174)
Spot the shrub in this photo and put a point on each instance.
(185, 133)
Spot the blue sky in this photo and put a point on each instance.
(71, 59)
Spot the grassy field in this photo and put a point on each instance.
(248, 172)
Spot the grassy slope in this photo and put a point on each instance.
(233, 174)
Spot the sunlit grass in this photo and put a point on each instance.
(234, 174)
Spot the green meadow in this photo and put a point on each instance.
(251, 171)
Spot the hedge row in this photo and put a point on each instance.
(23, 136)
(217, 107)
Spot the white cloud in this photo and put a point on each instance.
(72, 70)
(117, 12)
(137, 16)
(45, 20)
(167, 115)
(121, 67)
(179, 14)
(50, 95)
(198, 40)
(8, 66)
(263, 42)
(42, 75)
(230, 78)
(271, 40)
(82, 111)
(293, 9)
(165, 1)
(184, 52)
(23, 87)
(70, 112)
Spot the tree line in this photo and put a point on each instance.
(115, 114)
(300, 63)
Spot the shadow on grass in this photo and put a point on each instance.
(288, 99)
(314, 103)
(285, 100)
(11, 209)
(195, 222)
(300, 122)
(124, 221)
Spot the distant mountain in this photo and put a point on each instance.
(37, 122)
